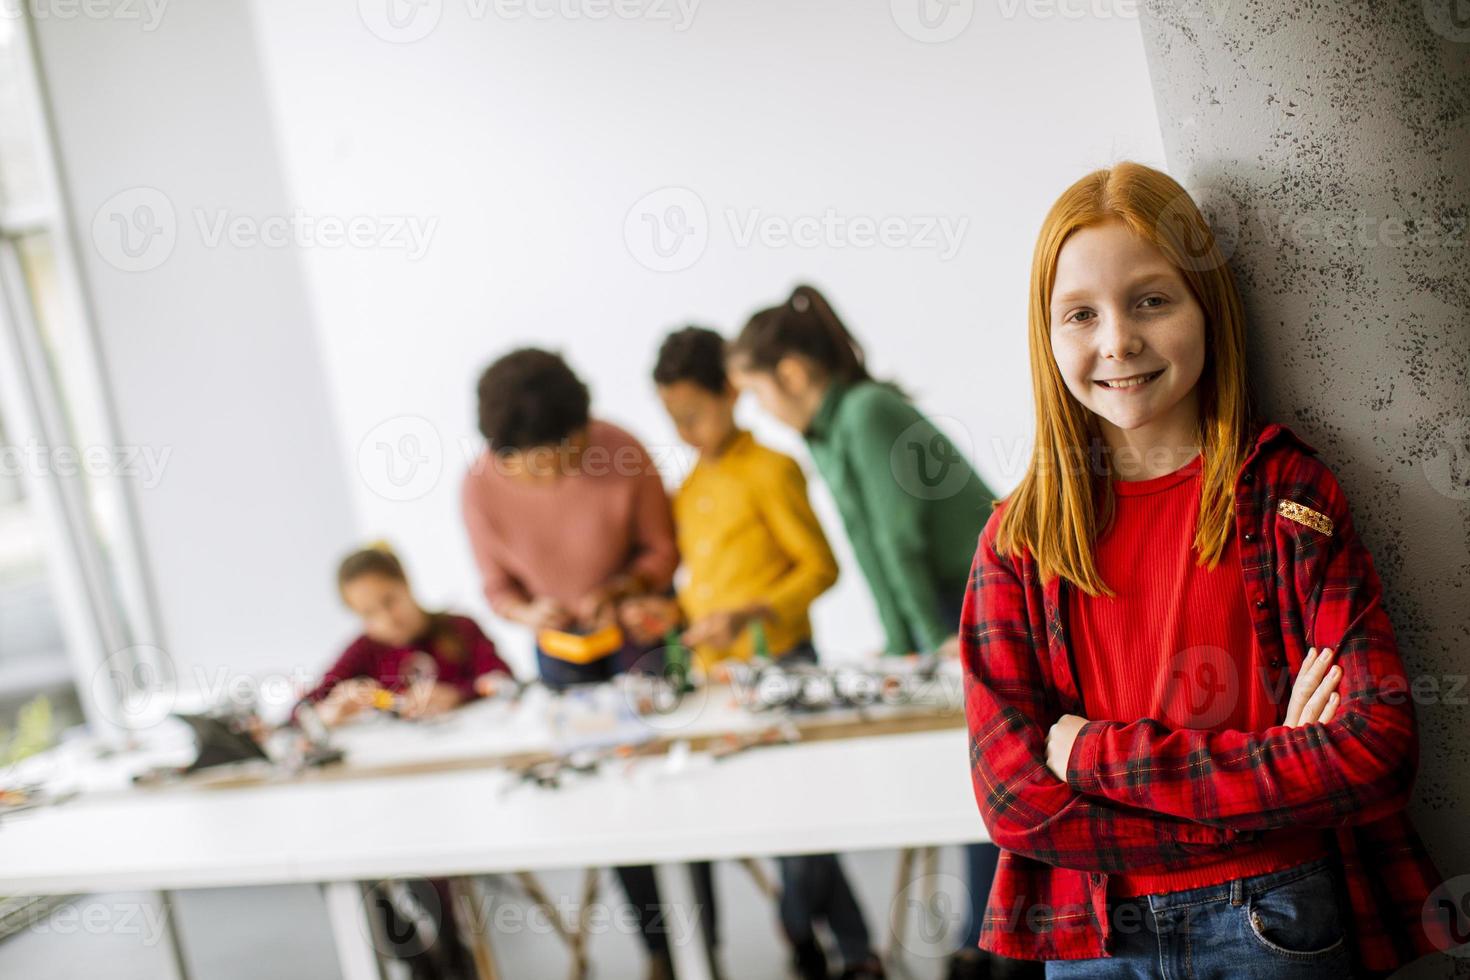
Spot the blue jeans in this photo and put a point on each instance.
(1285, 925)
(813, 888)
(801, 653)
(981, 861)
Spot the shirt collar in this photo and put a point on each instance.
(1269, 432)
(739, 442)
(821, 424)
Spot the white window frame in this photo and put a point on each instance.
(109, 648)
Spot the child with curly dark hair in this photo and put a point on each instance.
(568, 519)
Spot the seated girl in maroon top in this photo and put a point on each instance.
(431, 662)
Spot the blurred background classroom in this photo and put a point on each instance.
(254, 256)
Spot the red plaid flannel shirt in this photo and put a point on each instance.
(1140, 797)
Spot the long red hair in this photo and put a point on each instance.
(1066, 496)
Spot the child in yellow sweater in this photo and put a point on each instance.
(754, 551)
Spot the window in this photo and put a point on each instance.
(73, 598)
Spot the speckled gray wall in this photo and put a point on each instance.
(1330, 144)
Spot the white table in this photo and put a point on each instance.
(852, 794)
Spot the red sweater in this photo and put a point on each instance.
(1176, 644)
(460, 651)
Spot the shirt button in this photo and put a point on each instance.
(1275, 662)
(1247, 478)
(1249, 536)
(1260, 603)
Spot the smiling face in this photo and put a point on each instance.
(1128, 337)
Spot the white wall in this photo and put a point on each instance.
(529, 140)
(211, 350)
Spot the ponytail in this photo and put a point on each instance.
(807, 325)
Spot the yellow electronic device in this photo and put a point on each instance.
(581, 648)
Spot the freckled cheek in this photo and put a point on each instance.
(1073, 364)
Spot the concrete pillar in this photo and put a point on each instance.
(1330, 144)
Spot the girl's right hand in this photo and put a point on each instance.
(1314, 697)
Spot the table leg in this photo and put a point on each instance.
(469, 915)
(178, 967)
(686, 945)
(898, 909)
(351, 931)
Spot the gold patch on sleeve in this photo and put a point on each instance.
(1294, 511)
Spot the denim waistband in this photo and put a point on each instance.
(1235, 891)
